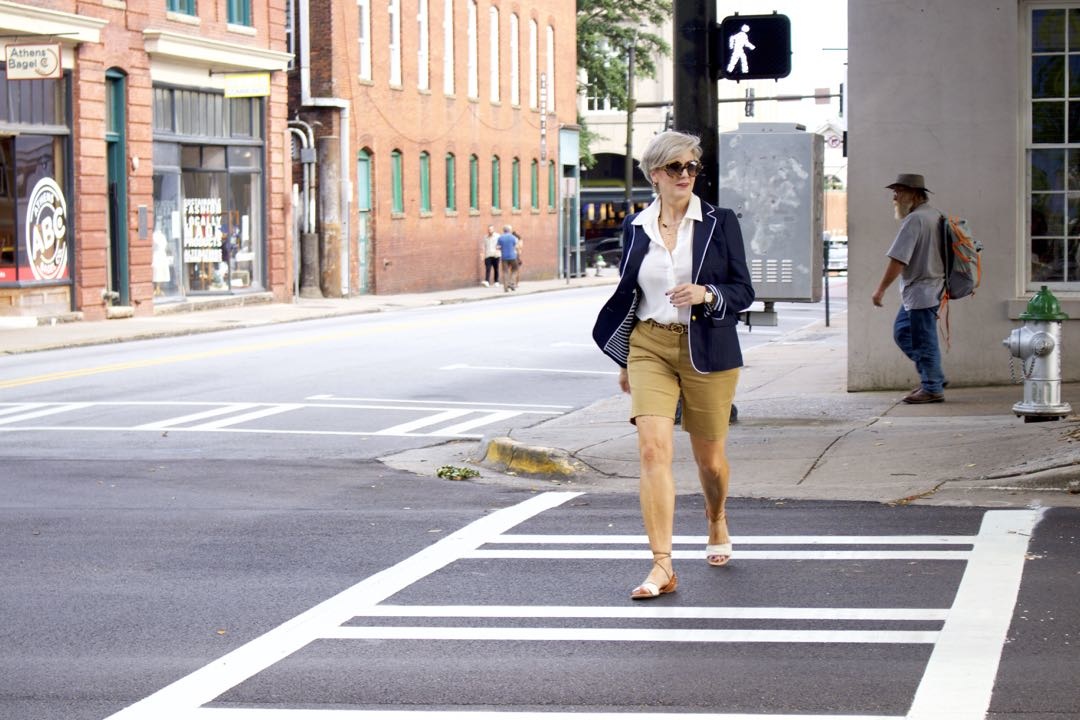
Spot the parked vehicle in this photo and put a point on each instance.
(609, 248)
(837, 248)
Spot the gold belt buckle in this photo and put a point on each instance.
(677, 328)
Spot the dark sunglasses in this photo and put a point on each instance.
(675, 169)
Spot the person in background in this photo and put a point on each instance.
(491, 257)
(915, 257)
(508, 251)
(671, 327)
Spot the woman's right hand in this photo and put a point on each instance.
(624, 380)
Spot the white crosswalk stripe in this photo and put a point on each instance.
(966, 638)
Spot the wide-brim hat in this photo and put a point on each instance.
(909, 180)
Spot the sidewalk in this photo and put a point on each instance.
(800, 434)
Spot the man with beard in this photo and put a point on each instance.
(915, 257)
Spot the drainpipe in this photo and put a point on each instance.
(342, 105)
(306, 255)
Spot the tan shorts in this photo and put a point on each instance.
(659, 370)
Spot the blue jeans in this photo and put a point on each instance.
(915, 333)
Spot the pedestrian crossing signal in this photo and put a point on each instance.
(754, 47)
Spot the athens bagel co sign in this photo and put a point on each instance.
(33, 62)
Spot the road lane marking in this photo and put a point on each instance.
(439, 402)
(253, 415)
(408, 427)
(512, 539)
(585, 554)
(19, 407)
(240, 412)
(231, 713)
(486, 419)
(191, 417)
(649, 635)
(507, 368)
(959, 679)
(51, 409)
(659, 613)
(184, 698)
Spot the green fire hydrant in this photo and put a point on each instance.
(1038, 345)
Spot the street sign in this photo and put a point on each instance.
(754, 47)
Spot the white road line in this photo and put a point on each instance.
(741, 554)
(253, 415)
(657, 613)
(512, 539)
(43, 411)
(19, 407)
(491, 368)
(212, 412)
(252, 431)
(333, 714)
(651, 635)
(486, 419)
(428, 421)
(959, 678)
(429, 402)
(184, 697)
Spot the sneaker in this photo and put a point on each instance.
(485, 283)
(919, 396)
(498, 284)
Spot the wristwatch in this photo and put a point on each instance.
(709, 298)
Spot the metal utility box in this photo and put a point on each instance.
(771, 175)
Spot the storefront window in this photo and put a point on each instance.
(208, 195)
(35, 218)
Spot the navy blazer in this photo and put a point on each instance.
(719, 261)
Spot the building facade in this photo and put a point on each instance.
(984, 100)
(142, 154)
(419, 123)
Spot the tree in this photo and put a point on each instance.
(606, 29)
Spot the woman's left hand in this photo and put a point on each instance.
(686, 295)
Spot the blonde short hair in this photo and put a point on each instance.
(667, 146)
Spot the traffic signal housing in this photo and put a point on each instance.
(754, 47)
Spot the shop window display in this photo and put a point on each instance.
(208, 195)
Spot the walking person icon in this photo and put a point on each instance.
(738, 44)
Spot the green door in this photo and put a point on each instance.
(116, 177)
(363, 204)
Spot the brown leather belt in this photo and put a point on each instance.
(677, 328)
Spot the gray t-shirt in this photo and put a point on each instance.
(918, 246)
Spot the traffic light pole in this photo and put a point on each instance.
(695, 103)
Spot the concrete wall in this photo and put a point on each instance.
(937, 87)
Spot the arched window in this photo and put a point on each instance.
(493, 55)
(534, 177)
(397, 172)
(474, 182)
(552, 199)
(515, 61)
(425, 182)
(515, 184)
(474, 50)
(451, 188)
(495, 182)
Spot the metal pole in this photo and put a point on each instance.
(695, 104)
(629, 161)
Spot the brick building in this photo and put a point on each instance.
(428, 121)
(142, 154)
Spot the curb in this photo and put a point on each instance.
(510, 456)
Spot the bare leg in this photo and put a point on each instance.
(714, 473)
(655, 446)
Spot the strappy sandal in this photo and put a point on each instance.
(648, 590)
(718, 555)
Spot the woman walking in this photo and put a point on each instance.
(671, 327)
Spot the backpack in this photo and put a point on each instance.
(963, 266)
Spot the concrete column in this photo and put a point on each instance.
(329, 164)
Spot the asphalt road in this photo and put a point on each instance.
(196, 528)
